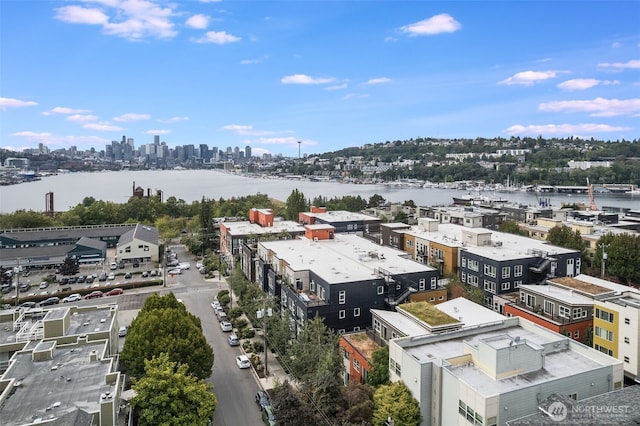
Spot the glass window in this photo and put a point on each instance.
(342, 297)
(517, 271)
(423, 284)
(380, 289)
(356, 312)
(506, 272)
(341, 314)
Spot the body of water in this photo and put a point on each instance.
(70, 189)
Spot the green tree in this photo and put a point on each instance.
(401, 217)
(164, 326)
(379, 374)
(296, 203)
(395, 401)
(511, 227)
(355, 406)
(315, 341)
(289, 408)
(623, 256)
(563, 236)
(376, 200)
(168, 395)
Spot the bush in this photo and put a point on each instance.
(258, 347)
(239, 323)
(235, 312)
(246, 333)
(222, 293)
(224, 299)
(247, 346)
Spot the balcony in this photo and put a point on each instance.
(555, 318)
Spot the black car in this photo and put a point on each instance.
(90, 279)
(65, 289)
(50, 301)
(73, 280)
(81, 279)
(127, 276)
(64, 281)
(27, 305)
(262, 399)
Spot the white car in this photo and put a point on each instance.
(111, 276)
(184, 265)
(242, 361)
(226, 326)
(176, 271)
(72, 298)
(44, 284)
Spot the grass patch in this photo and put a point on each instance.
(428, 313)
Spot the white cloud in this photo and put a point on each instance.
(103, 127)
(49, 139)
(355, 96)
(616, 44)
(584, 83)
(563, 129)
(198, 21)
(337, 87)
(254, 61)
(288, 141)
(132, 116)
(15, 103)
(130, 19)
(246, 130)
(216, 37)
(598, 107)
(81, 118)
(380, 80)
(632, 64)
(175, 120)
(31, 135)
(65, 111)
(528, 78)
(443, 23)
(305, 79)
(157, 132)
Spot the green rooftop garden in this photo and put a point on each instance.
(428, 313)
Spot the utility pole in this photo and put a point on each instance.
(264, 313)
(604, 259)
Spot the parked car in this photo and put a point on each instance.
(184, 265)
(242, 361)
(94, 295)
(267, 415)
(72, 280)
(111, 276)
(65, 288)
(262, 398)
(50, 301)
(176, 271)
(8, 289)
(90, 279)
(27, 305)
(72, 298)
(81, 279)
(202, 270)
(114, 292)
(153, 273)
(173, 263)
(122, 331)
(136, 264)
(233, 340)
(113, 266)
(199, 264)
(226, 326)
(102, 276)
(44, 284)
(26, 273)
(127, 276)
(144, 274)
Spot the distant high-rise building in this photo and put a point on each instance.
(156, 139)
(236, 153)
(247, 152)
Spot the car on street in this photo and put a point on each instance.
(144, 274)
(102, 276)
(176, 271)
(262, 398)
(44, 284)
(226, 326)
(8, 288)
(242, 361)
(173, 263)
(122, 331)
(267, 415)
(153, 273)
(72, 298)
(65, 288)
(90, 279)
(94, 295)
(127, 276)
(27, 305)
(233, 340)
(50, 301)
(199, 264)
(26, 273)
(114, 292)
(81, 279)
(184, 265)
(113, 266)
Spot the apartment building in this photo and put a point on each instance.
(357, 356)
(616, 325)
(343, 221)
(494, 373)
(340, 279)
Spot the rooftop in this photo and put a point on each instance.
(248, 228)
(428, 313)
(580, 285)
(558, 293)
(345, 258)
(342, 216)
(362, 343)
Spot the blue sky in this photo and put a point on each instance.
(330, 74)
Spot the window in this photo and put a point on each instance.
(604, 334)
(472, 280)
(127, 249)
(517, 283)
(505, 285)
(627, 321)
(531, 301)
(312, 286)
(564, 312)
(341, 313)
(603, 350)
(146, 248)
(380, 289)
(342, 297)
(517, 271)
(474, 265)
(463, 277)
(464, 262)
(506, 272)
(626, 340)
(462, 408)
(626, 359)
(395, 366)
(376, 325)
(489, 286)
(341, 331)
(433, 299)
(440, 297)
(576, 334)
(522, 296)
(356, 328)
(356, 365)
(356, 312)
(423, 284)
(604, 315)
(434, 283)
(579, 313)
(549, 307)
(490, 270)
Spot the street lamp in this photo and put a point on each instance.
(263, 314)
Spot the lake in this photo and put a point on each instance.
(70, 189)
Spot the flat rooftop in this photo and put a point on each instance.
(345, 258)
(558, 293)
(342, 216)
(362, 343)
(402, 323)
(580, 285)
(54, 387)
(247, 228)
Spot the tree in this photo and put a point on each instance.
(164, 326)
(401, 217)
(70, 266)
(395, 401)
(376, 200)
(288, 408)
(563, 236)
(355, 406)
(296, 203)
(379, 374)
(511, 227)
(169, 395)
(623, 256)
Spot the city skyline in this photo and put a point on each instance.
(311, 77)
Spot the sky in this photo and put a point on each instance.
(329, 74)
